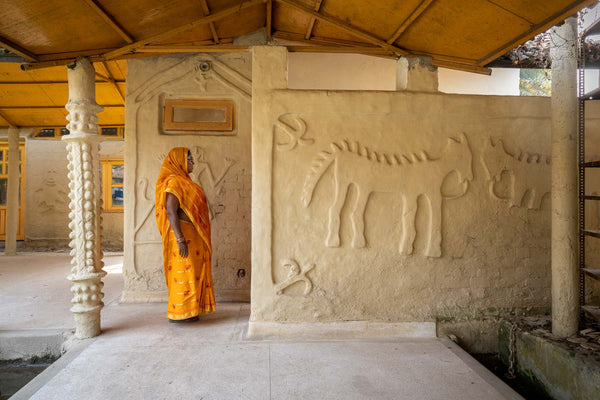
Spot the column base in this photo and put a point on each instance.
(87, 324)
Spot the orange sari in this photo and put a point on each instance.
(189, 279)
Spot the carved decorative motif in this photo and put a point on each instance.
(195, 66)
(295, 129)
(203, 165)
(50, 197)
(295, 274)
(371, 171)
(531, 172)
(84, 185)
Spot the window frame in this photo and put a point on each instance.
(107, 184)
(58, 136)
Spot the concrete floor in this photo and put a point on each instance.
(141, 356)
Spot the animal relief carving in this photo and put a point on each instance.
(295, 274)
(410, 176)
(530, 172)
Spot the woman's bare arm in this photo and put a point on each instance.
(172, 207)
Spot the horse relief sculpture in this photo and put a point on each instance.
(410, 176)
(531, 173)
(295, 274)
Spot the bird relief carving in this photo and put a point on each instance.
(409, 176)
(530, 173)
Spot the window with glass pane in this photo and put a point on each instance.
(112, 185)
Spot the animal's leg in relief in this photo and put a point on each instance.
(434, 247)
(409, 212)
(333, 236)
(358, 219)
(519, 192)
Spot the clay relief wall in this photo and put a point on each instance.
(46, 195)
(223, 168)
(392, 207)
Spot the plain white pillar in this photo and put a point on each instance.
(565, 273)
(12, 200)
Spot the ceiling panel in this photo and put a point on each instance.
(467, 29)
(45, 26)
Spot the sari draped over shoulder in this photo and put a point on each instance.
(188, 279)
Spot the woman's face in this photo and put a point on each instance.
(190, 162)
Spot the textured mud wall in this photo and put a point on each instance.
(223, 168)
(46, 195)
(392, 206)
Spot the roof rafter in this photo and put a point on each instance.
(311, 24)
(211, 25)
(15, 48)
(411, 18)
(111, 80)
(269, 20)
(204, 20)
(538, 28)
(110, 20)
(344, 26)
(10, 122)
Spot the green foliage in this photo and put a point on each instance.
(535, 82)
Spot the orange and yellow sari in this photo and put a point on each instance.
(189, 279)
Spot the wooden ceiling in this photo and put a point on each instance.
(460, 34)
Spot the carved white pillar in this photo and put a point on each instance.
(12, 197)
(565, 283)
(84, 184)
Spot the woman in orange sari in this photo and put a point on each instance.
(183, 222)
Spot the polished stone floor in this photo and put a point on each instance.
(141, 356)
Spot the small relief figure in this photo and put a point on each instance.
(50, 197)
(295, 129)
(295, 274)
(530, 174)
(410, 176)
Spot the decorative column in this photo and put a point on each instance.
(84, 184)
(565, 282)
(12, 200)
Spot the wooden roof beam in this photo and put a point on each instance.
(345, 27)
(269, 20)
(15, 48)
(164, 35)
(409, 21)
(461, 67)
(546, 24)
(316, 40)
(4, 117)
(341, 49)
(28, 107)
(211, 25)
(113, 82)
(311, 24)
(216, 48)
(25, 83)
(109, 19)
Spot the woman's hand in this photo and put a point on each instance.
(183, 249)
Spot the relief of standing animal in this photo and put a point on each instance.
(531, 173)
(410, 176)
